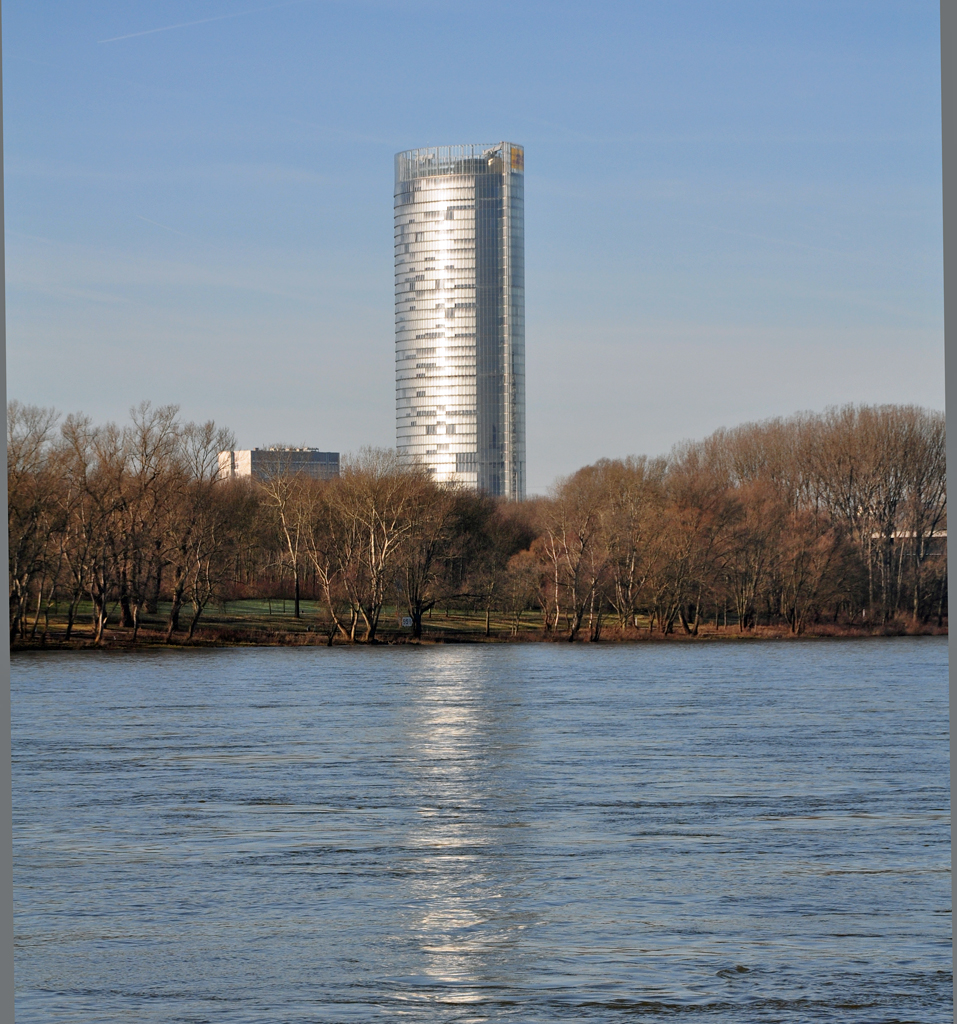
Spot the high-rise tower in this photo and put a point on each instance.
(460, 314)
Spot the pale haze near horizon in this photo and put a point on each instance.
(733, 209)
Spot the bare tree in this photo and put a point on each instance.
(634, 499)
(204, 520)
(289, 498)
(33, 517)
(754, 543)
(575, 545)
(698, 512)
(436, 518)
(373, 505)
(149, 451)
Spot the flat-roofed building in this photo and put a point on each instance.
(267, 463)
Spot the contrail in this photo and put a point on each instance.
(165, 227)
(202, 21)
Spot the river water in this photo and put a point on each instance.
(727, 832)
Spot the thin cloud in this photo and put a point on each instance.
(202, 21)
(165, 227)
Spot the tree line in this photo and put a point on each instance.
(832, 517)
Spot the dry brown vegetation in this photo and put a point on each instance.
(829, 523)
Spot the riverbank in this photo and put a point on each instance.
(273, 624)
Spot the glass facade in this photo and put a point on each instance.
(460, 314)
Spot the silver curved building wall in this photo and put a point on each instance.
(460, 314)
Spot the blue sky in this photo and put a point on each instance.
(732, 209)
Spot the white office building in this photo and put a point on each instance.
(267, 463)
(460, 314)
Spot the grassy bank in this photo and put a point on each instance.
(272, 623)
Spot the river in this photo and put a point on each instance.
(747, 832)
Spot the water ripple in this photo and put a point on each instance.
(470, 834)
